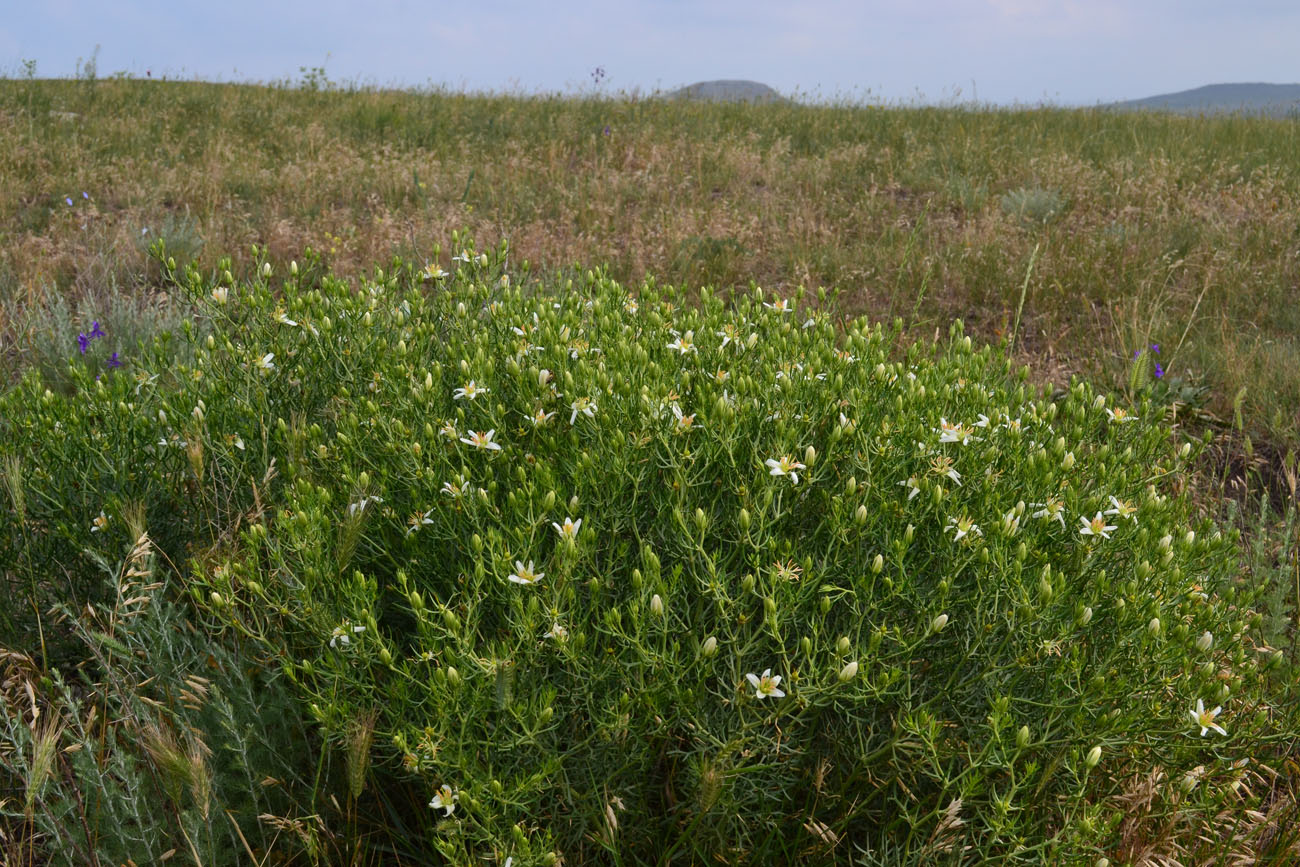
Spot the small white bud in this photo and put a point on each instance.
(810, 456)
(939, 623)
(1154, 626)
(1093, 757)
(266, 269)
(293, 267)
(848, 672)
(657, 605)
(1205, 642)
(710, 647)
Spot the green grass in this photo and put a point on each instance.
(1148, 213)
(1085, 236)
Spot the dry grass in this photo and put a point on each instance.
(900, 209)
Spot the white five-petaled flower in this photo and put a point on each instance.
(541, 417)
(630, 306)
(766, 685)
(684, 343)
(912, 487)
(449, 430)
(100, 523)
(361, 505)
(267, 363)
(455, 491)
(1096, 527)
(462, 256)
(221, 294)
(582, 406)
(982, 421)
(1120, 416)
(781, 305)
(558, 632)
(729, 333)
(953, 433)
(283, 318)
(569, 529)
(481, 440)
(785, 466)
(964, 527)
(1121, 508)
(684, 422)
(525, 574)
(432, 271)
(470, 390)
(416, 521)
(444, 799)
(1205, 718)
(1052, 509)
(342, 634)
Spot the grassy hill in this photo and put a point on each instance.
(727, 91)
(1273, 100)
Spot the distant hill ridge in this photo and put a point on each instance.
(727, 90)
(1274, 100)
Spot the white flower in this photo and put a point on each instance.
(953, 433)
(444, 799)
(1052, 509)
(541, 417)
(471, 390)
(786, 466)
(283, 318)
(432, 271)
(525, 574)
(481, 440)
(360, 505)
(456, 491)
(1121, 508)
(1096, 527)
(1120, 416)
(684, 422)
(569, 530)
(684, 344)
(912, 487)
(342, 634)
(766, 685)
(267, 363)
(964, 526)
(729, 332)
(584, 406)
(462, 256)
(983, 421)
(236, 440)
(417, 521)
(781, 305)
(558, 632)
(631, 306)
(100, 524)
(1205, 718)
(449, 430)
(221, 294)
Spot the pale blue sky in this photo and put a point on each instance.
(1002, 51)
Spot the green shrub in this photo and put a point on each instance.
(987, 613)
(1033, 206)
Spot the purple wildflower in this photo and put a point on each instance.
(606, 129)
(1160, 371)
(96, 331)
(114, 361)
(82, 342)
(1156, 348)
(1136, 353)
(68, 199)
(85, 195)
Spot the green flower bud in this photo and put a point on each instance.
(1093, 757)
(877, 563)
(657, 605)
(453, 676)
(744, 519)
(1205, 642)
(1154, 626)
(1022, 737)
(824, 605)
(709, 648)
(938, 623)
(805, 645)
(843, 646)
(860, 515)
(908, 534)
